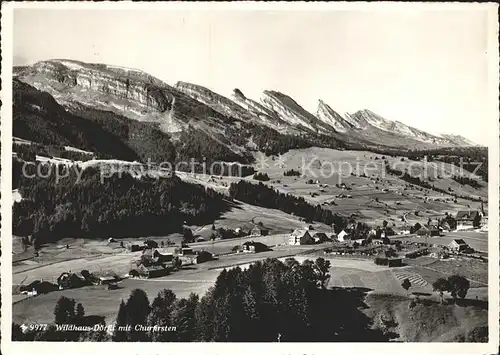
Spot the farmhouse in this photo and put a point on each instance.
(259, 231)
(320, 237)
(434, 231)
(203, 256)
(254, 247)
(106, 280)
(458, 245)
(465, 219)
(151, 271)
(150, 244)
(184, 251)
(198, 238)
(423, 231)
(158, 257)
(300, 237)
(394, 262)
(405, 230)
(134, 247)
(38, 287)
(71, 280)
(343, 236)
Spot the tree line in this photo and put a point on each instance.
(264, 196)
(120, 205)
(405, 176)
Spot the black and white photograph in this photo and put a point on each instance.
(250, 173)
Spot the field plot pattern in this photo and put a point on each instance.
(415, 279)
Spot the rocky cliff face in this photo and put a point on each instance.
(459, 140)
(128, 92)
(65, 78)
(217, 102)
(326, 114)
(368, 120)
(291, 112)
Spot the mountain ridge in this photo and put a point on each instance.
(138, 95)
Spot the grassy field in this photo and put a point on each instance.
(431, 322)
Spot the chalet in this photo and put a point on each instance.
(320, 237)
(198, 238)
(38, 287)
(203, 256)
(343, 236)
(434, 231)
(152, 271)
(394, 262)
(134, 247)
(150, 244)
(423, 231)
(71, 280)
(458, 245)
(405, 230)
(445, 226)
(188, 259)
(107, 279)
(254, 247)
(465, 219)
(300, 237)
(259, 231)
(159, 257)
(184, 251)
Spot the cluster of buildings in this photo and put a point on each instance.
(157, 263)
(306, 236)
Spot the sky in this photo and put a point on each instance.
(427, 69)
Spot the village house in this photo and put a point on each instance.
(159, 257)
(198, 238)
(254, 247)
(320, 237)
(203, 256)
(71, 280)
(133, 247)
(300, 237)
(184, 251)
(394, 262)
(107, 279)
(445, 226)
(406, 229)
(465, 219)
(38, 287)
(458, 245)
(150, 244)
(343, 236)
(259, 231)
(423, 231)
(150, 271)
(434, 231)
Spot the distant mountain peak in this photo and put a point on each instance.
(327, 115)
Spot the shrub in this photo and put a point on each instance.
(261, 177)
